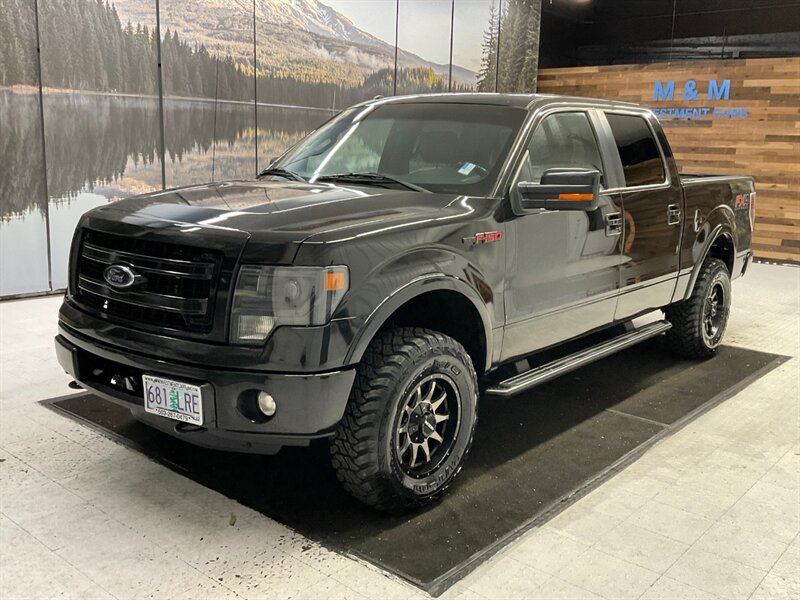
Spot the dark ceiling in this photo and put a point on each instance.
(618, 31)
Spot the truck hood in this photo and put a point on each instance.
(270, 211)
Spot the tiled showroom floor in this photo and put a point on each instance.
(710, 512)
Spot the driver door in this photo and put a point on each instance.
(562, 265)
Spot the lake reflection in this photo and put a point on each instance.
(104, 148)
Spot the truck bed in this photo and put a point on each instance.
(705, 196)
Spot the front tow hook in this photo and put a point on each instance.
(189, 428)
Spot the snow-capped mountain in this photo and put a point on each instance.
(294, 37)
(315, 17)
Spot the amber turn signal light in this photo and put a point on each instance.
(334, 281)
(575, 196)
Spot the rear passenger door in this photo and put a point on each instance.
(652, 208)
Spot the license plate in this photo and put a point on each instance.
(173, 399)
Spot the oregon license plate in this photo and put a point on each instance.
(173, 399)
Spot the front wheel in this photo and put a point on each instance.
(699, 322)
(409, 422)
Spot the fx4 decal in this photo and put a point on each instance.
(742, 201)
(487, 237)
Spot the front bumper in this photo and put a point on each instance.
(310, 405)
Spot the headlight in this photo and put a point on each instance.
(266, 297)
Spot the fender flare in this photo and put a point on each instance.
(416, 287)
(720, 230)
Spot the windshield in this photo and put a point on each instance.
(441, 147)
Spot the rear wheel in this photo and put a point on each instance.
(409, 422)
(698, 323)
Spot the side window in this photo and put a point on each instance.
(641, 161)
(561, 140)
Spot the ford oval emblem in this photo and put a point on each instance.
(119, 276)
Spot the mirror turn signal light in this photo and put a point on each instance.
(576, 197)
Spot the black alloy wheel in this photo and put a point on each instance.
(427, 425)
(699, 322)
(714, 314)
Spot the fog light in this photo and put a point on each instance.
(266, 404)
(254, 328)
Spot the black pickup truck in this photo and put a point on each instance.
(409, 256)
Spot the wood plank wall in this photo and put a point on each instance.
(765, 145)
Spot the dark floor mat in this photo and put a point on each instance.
(533, 455)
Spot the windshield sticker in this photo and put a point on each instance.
(466, 168)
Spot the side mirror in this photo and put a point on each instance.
(562, 189)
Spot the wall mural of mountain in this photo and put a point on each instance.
(308, 53)
(294, 37)
(100, 119)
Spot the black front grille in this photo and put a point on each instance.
(175, 285)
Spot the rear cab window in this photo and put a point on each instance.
(638, 150)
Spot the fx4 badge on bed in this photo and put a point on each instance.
(487, 237)
(742, 201)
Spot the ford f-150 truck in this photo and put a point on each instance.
(410, 256)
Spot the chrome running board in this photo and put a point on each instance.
(556, 368)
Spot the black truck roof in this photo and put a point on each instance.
(526, 101)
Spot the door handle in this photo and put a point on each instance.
(613, 224)
(673, 214)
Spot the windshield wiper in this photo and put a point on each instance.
(278, 172)
(374, 178)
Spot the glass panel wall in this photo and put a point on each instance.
(518, 61)
(475, 24)
(100, 112)
(369, 48)
(423, 57)
(23, 200)
(313, 63)
(229, 105)
(209, 119)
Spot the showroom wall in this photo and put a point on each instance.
(723, 76)
(92, 119)
(749, 126)
(241, 80)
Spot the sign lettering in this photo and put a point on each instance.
(664, 91)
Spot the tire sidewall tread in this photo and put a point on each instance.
(362, 449)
